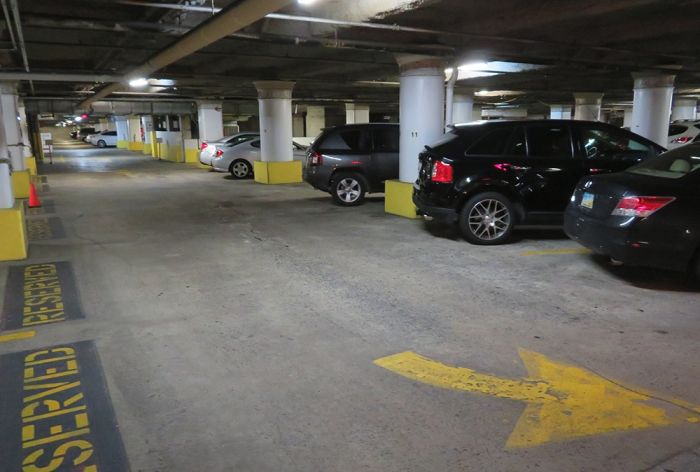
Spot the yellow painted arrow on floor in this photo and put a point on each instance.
(563, 401)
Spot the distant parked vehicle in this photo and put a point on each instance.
(682, 132)
(83, 133)
(208, 149)
(352, 160)
(644, 216)
(103, 139)
(238, 159)
(491, 176)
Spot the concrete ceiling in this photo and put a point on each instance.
(587, 45)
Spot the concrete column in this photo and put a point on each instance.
(588, 106)
(477, 113)
(450, 97)
(122, 131)
(24, 128)
(315, 121)
(463, 108)
(211, 120)
(276, 165)
(356, 113)
(627, 120)
(651, 113)
(147, 125)
(684, 109)
(421, 114)
(10, 122)
(560, 112)
(7, 198)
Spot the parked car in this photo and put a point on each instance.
(103, 139)
(208, 148)
(646, 215)
(492, 176)
(352, 160)
(83, 133)
(238, 158)
(682, 132)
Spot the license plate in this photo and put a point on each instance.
(587, 200)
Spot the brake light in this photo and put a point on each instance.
(316, 159)
(682, 140)
(219, 153)
(442, 173)
(641, 207)
(204, 146)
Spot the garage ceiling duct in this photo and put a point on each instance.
(229, 20)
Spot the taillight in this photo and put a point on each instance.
(682, 140)
(442, 173)
(641, 207)
(316, 159)
(204, 146)
(219, 153)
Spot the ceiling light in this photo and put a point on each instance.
(305, 2)
(78, 119)
(139, 82)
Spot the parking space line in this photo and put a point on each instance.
(17, 336)
(557, 252)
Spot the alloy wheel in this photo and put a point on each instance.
(489, 219)
(348, 190)
(240, 170)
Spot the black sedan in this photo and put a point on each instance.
(645, 216)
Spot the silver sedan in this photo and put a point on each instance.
(239, 158)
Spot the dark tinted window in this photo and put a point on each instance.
(386, 139)
(549, 141)
(240, 139)
(109, 133)
(492, 143)
(518, 146)
(676, 129)
(174, 122)
(451, 144)
(256, 143)
(160, 123)
(353, 140)
(603, 143)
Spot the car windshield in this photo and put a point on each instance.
(672, 164)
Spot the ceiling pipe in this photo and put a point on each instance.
(20, 39)
(227, 21)
(6, 13)
(42, 77)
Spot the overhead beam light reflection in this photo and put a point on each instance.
(138, 82)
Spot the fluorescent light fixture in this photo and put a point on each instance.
(138, 82)
(305, 2)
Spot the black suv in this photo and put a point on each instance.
(352, 160)
(492, 176)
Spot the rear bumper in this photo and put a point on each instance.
(447, 215)
(318, 177)
(628, 244)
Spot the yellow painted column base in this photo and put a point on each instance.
(122, 144)
(30, 164)
(398, 199)
(13, 233)
(277, 172)
(20, 183)
(135, 146)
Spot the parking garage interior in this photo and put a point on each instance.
(208, 261)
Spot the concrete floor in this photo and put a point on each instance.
(237, 325)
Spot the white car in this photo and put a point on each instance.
(238, 159)
(207, 150)
(103, 139)
(682, 132)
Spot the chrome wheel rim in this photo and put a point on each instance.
(489, 219)
(240, 169)
(348, 190)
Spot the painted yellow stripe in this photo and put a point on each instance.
(557, 252)
(17, 336)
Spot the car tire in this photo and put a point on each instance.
(101, 144)
(349, 188)
(487, 219)
(240, 169)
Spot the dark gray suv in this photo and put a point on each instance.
(352, 160)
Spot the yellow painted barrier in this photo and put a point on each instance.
(30, 164)
(272, 173)
(135, 146)
(398, 199)
(20, 183)
(122, 144)
(13, 233)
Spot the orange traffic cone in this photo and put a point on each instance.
(34, 201)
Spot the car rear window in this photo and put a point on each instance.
(491, 143)
(674, 130)
(672, 164)
(353, 140)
